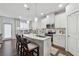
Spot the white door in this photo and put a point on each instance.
(73, 34)
(7, 31)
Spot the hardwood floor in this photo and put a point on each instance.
(59, 51)
(9, 49)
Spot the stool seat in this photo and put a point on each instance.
(32, 46)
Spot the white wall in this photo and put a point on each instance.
(49, 20)
(61, 20)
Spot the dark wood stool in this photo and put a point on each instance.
(19, 45)
(30, 49)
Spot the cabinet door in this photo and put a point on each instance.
(57, 23)
(60, 20)
(62, 40)
(56, 39)
(59, 40)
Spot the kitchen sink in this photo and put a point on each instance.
(41, 36)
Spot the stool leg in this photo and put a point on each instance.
(32, 53)
(37, 51)
(21, 50)
(17, 48)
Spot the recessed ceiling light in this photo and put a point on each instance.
(60, 5)
(47, 16)
(42, 13)
(36, 19)
(25, 5)
(27, 21)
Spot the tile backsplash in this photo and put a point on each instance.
(39, 31)
(44, 30)
(60, 30)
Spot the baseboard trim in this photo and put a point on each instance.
(56, 46)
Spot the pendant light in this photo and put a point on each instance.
(28, 11)
(36, 18)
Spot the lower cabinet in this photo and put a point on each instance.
(59, 40)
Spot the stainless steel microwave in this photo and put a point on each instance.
(50, 26)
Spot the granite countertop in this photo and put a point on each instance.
(60, 34)
(36, 36)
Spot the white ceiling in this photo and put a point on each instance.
(17, 9)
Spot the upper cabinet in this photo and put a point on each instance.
(60, 20)
(48, 20)
(51, 19)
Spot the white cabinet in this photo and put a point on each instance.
(49, 20)
(60, 20)
(59, 40)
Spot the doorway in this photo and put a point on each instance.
(73, 33)
(7, 31)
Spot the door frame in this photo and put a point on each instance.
(3, 31)
(67, 31)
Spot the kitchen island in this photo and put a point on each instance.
(44, 43)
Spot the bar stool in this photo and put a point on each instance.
(25, 47)
(19, 45)
(30, 49)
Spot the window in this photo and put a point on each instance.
(7, 30)
(24, 25)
